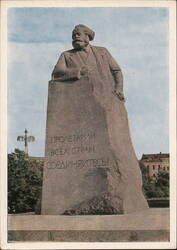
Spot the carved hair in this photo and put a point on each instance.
(87, 30)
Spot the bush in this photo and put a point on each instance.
(24, 182)
(155, 188)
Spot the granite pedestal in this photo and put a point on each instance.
(148, 225)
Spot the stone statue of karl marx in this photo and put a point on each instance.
(103, 74)
(87, 60)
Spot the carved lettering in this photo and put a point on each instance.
(72, 150)
(77, 163)
(71, 138)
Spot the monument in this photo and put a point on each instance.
(90, 164)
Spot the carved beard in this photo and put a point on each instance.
(79, 44)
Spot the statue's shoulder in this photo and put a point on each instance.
(68, 52)
(101, 50)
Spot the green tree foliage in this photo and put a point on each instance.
(162, 181)
(24, 182)
(157, 187)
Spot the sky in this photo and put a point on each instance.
(137, 38)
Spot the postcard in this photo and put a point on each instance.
(88, 108)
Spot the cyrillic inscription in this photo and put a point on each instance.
(72, 150)
(71, 138)
(77, 163)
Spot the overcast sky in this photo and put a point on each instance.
(136, 37)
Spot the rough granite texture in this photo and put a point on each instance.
(90, 166)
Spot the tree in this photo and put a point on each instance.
(162, 182)
(155, 188)
(24, 182)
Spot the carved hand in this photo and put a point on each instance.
(119, 94)
(84, 71)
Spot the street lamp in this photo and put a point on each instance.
(26, 139)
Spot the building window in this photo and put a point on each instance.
(167, 168)
(163, 168)
(153, 167)
(158, 167)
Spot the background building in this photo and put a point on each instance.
(154, 163)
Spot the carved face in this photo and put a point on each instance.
(80, 39)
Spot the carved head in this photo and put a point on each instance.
(81, 36)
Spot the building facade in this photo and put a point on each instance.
(155, 163)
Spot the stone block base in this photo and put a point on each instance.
(90, 236)
(148, 225)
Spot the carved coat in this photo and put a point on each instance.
(104, 72)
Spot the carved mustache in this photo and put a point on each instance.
(78, 40)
